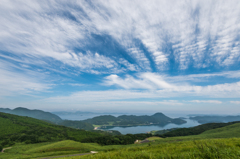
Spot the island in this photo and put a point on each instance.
(215, 118)
(104, 121)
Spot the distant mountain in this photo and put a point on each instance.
(5, 110)
(37, 114)
(215, 119)
(42, 115)
(133, 120)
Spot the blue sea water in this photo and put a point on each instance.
(145, 129)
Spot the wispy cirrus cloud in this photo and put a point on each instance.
(170, 88)
(13, 83)
(194, 33)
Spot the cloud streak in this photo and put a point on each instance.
(151, 81)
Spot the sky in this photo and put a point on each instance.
(120, 55)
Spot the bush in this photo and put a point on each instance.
(1, 147)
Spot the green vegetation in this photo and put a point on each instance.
(77, 124)
(116, 140)
(160, 132)
(207, 149)
(49, 117)
(25, 129)
(154, 138)
(195, 130)
(215, 119)
(132, 120)
(107, 132)
(29, 151)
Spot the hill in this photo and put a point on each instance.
(132, 120)
(38, 114)
(76, 124)
(47, 116)
(26, 129)
(195, 130)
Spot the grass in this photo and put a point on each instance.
(154, 138)
(23, 151)
(10, 127)
(199, 149)
(216, 143)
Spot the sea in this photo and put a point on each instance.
(136, 129)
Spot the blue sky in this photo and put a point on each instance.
(121, 56)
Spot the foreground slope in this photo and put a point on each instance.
(216, 143)
(25, 129)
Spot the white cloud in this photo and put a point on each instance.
(202, 31)
(14, 83)
(168, 88)
(207, 101)
(235, 102)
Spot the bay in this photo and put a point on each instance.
(148, 128)
(135, 129)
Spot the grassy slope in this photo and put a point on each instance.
(196, 146)
(216, 143)
(8, 127)
(200, 149)
(18, 128)
(23, 151)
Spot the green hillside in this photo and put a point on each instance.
(47, 116)
(224, 132)
(194, 130)
(37, 114)
(29, 130)
(76, 124)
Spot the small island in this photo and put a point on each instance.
(104, 121)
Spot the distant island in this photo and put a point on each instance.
(215, 119)
(133, 120)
